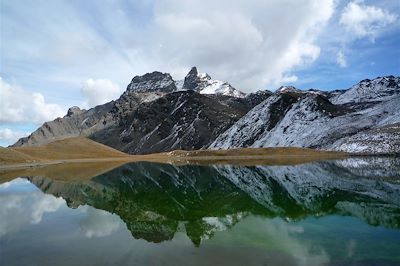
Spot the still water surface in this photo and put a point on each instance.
(343, 212)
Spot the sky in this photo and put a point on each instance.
(62, 53)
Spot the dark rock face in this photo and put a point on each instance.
(180, 120)
(256, 98)
(151, 82)
(192, 81)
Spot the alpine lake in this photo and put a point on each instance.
(336, 212)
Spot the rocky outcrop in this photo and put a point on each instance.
(193, 81)
(151, 82)
(74, 110)
(76, 123)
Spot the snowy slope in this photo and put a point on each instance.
(220, 87)
(379, 89)
(179, 84)
(308, 119)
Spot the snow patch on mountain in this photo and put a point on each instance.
(179, 84)
(288, 89)
(220, 87)
(384, 139)
(204, 84)
(379, 89)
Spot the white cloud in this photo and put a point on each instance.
(9, 136)
(252, 44)
(20, 209)
(99, 91)
(17, 182)
(365, 21)
(249, 43)
(341, 59)
(289, 79)
(19, 105)
(99, 223)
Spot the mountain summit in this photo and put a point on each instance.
(151, 82)
(204, 84)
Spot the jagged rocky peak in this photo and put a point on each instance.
(375, 90)
(152, 82)
(74, 110)
(204, 84)
(193, 81)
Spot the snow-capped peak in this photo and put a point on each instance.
(286, 89)
(220, 87)
(204, 84)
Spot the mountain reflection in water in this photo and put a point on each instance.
(227, 205)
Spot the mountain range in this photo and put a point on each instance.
(157, 114)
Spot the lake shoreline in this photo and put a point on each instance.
(84, 150)
(181, 159)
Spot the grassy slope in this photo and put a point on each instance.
(12, 156)
(70, 148)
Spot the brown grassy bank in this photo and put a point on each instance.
(82, 150)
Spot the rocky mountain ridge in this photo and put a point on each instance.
(154, 115)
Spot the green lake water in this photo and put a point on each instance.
(344, 212)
